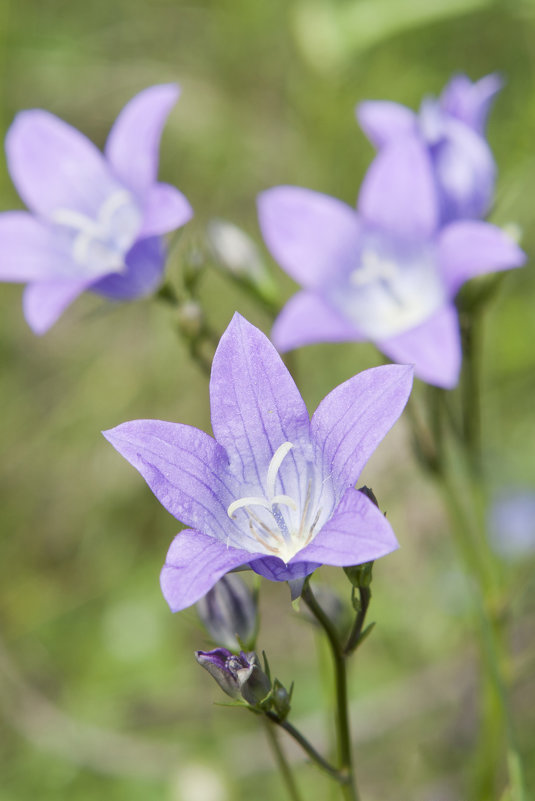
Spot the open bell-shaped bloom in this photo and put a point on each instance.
(96, 220)
(273, 489)
(385, 273)
(452, 128)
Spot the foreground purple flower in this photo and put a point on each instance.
(96, 220)
(385, 274)
(452, 129)
(274, 490)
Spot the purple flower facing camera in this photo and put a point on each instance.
(273, 489)
(385, 272)
(96, 220)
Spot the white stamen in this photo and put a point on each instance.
(274, 466)
(111, 204)
(102, 242)
(279, 534)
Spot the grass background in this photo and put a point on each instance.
(99, 691)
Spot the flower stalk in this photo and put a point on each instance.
(345, 759)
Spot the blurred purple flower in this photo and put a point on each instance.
(385, 274)
(274, 490)
(96, 220)
(453, 131)
(512, 524)
(229, 613)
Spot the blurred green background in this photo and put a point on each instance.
(100, 695)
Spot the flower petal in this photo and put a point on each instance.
(255, 404)
(357, 532)
(465, 173)
(194, 563)
(54, 166)
(398, 193)
(165, 210)
(274, 569)
(44, 303)
(469, 101)
(306, 319)
(470, 248)
(351, 420)
(145, 264)
(134, 141)
(434, 347)
(312, 236)
(31, 252)
(185, 469)
(384, 121)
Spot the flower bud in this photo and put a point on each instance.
(236, 252)
(237, 675)
(229, 613)
(281, 699)
(360, 575)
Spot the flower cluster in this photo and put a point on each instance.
(389, 271)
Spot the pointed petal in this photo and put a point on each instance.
(30, 251)
(255, 404)
(184, 467)
(351, 420)
(44, 303)
(357, 532)
(134, 141)
(384, 121)
(434, 347)
(312, 236)
(145, 264)
(194, 563)
(470, 248)
(306, 319)
(470, 102)
(54, 166)
(398, 193)
(274, 569)
(165, 210)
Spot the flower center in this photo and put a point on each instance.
(281, 531)
(395, 287)
(100, 244)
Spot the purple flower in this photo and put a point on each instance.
(274, 490)
(96, 220)
(229, 613)
(452, 129)
(385, 274)
(240, 676)
(512, 524)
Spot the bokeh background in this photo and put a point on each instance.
(100, 695)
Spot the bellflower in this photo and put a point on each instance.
(96, 220)
(452, 128)
(384, 273)
(273, 490)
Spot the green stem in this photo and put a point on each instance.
(470, 388)
(342, 711)
(309, 749)
(463, 499)
(282, 762)
(354, 639)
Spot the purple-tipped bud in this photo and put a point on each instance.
(229, 613)
(237, 675)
